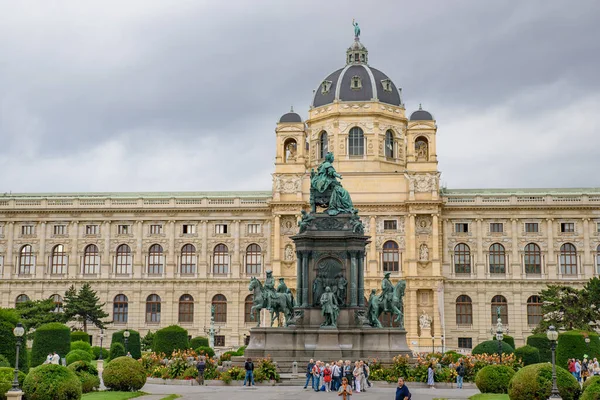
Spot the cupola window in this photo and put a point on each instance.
(325, 86)
(387, 85)
(356, 83)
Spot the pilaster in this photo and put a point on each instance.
(588, 263)
(515, 262)
(373, 257)
(410, 246)
(480, 270)
(235, 265)
(138, 260)
(170, 263)
(551, 267)
(435, 251)
(41, 260)
(9, 262)
(105, 260)
(203, 272)
(74, 262)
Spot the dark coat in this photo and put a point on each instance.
(402, 392)
(201, 366)
(249, 366)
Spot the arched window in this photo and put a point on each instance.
(323, 145)
(389, 144)
(356, 142)
(248, 303)
(499, 301)
(188, 259)
(121, 308)
(91, 259)
(598, 260)
(58, 261)
(462, 259)
(391, 257)
(123, 260)
(220, 304)
(153, 309)
(290, 149)
(422, 148)
(533, 259)
(186, 308)
(464, 310)
(58, 302)
(497, 259)
(26, 260)
(253, 259)
(220, 260)
(155, 260)
(22, 298)
(568, 259)
(534, 310)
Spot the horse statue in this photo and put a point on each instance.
(396, 305)
(280, 302)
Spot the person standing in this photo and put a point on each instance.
(460, 374)
(348, 373)
(345, 390)
(249, 367)
(578, 371)
(430, 376)
(316, 371)
(336, 375)
(327, 377)
(363, 378)
(200, 366)
(309, 374)
(367, 372)
(55, 358)
(358, 376)
(402, 392)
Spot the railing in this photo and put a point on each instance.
(549, 199)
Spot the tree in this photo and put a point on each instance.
(39, 312)
(84, 306)
(569, 308)
(147, 341)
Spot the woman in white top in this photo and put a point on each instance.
(358, 376)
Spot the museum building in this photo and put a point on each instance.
(158, 259)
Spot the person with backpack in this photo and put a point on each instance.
(460, 374)
(200, 366)
(366, 371)
(249, 367)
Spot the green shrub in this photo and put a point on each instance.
(491, 347)
(52, 382)
(78, 355)
(205, 350)
(198, 341)
(134, 345)
(7, 374)
(148, 341)
(509, 340)
(3, 362)
(171, 338)
(535, 382)
(592, 380)
(452, 356)
(540, 341)
(97, 349)
(49, 338)
(79, 345)
(226, 356)
(529, 355)
(77, 336)
(87, 374)
(571, 344)
(117, 350)
(494, 378)
(240, 351)
(124, 374)
(592, 392)
(8, 344)
(83, 366)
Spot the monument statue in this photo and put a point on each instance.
(342, 286)
(373, 310)
(423, 252)
(270, 289)
(326, 191)
(391, 300)
(276, 302)
(356, 223)
(304, 221)
(425, 321)
(329, 308)
(318, 287)
(356, 30)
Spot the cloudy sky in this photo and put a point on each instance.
(184, 95)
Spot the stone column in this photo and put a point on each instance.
(446, 231)
(353, 278)
(299, 278)
(277, 239)
(480, 263)
(42, 260)
(411, 246)
(138, 260)
(435, 251)
(74, 262)
(171, 263)
(515, 263)
(105, 261)
(9, 263)
(235, 267)
(373, 256)
(204, 257)
(588, 265)
(551, 267)
(361, 279)
(304, 278)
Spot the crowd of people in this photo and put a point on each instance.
(52, 358)
(582, 370)
(329, 377)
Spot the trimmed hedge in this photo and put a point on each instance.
(529, 355)
(592, 392)
(171, 338)
(571, 344)
(206, 351)
(48, 338)
(540, 341)
(78, 355)
(97, 349)
(83, 366)
(592, 380)
(535, 382)
(80, 345)
(198, 341)
(134, 345)
(124, 374)
(87, 374)
(8, 344)
(7, 374)
(52, 382)
(4, 362)
(494, 378)
(491, 347)
(508, 340)
(77, 336)
(117, 350)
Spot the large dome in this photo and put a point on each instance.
(357, 81)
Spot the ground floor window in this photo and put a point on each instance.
(465, 343)
(219, 341)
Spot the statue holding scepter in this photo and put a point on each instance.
(356, 29)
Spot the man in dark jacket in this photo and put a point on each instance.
(201, 366)
(309, 375)
(402, 392)
(249, 367)
(460, 373)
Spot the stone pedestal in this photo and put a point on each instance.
(14, 395)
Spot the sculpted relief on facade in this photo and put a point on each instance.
(422, 183)
(287, 184)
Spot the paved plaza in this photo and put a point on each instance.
(295, 393)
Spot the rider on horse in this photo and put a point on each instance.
(269, 288)
(387, 294)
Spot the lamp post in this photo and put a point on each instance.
(552, 335)
(19, 331)
(587, 343)
(499, 332)
(126, 335)
(101, 337)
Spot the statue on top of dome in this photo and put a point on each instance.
(356, 30)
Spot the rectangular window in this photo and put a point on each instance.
(219, 341)
(124, 229)
(91, 229)
(390, 225)
(1, 230)
(496, 227)
(532, 227)
(27, 230)
(188, 229)
(60, 229)
(253, 229)
(465, 343)
(461, 228)
(156, 229)
(220, 229)
(567, 227)
(597, 228)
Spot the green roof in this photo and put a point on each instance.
(137, 195)
(521, 192)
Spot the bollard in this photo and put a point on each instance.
(295, 368)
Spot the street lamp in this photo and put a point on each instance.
(499, 332)
(126, 335)
(101, 337)
(19, 331)
(552, 335)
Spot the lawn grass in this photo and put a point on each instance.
(171, 397)
(111, 395)
(489, 396)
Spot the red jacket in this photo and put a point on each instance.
(327, 375)
(571, 366)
